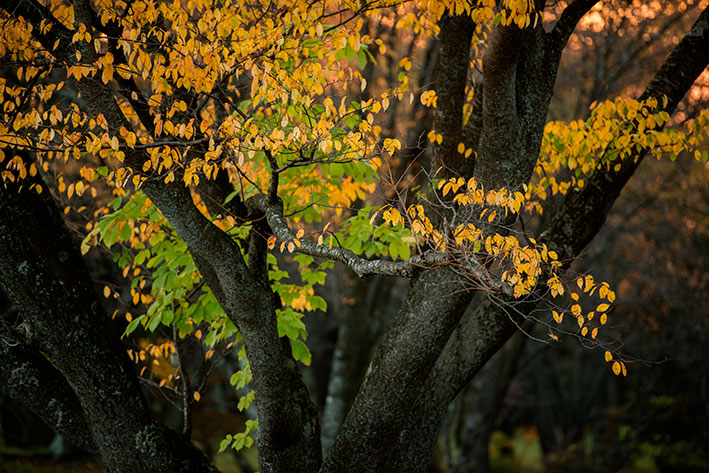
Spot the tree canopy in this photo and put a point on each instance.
(206, 146)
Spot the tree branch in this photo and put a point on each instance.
(488, 325)
(501, 135)
(451, 78)
(583, 213)
(363, 267)
(569, 19)
(70, 326)
(32, 380)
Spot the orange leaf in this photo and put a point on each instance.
(616, 368)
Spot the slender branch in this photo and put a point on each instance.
(361, 266)
(187, 391)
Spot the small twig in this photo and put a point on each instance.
(187, 391)
(273, 187)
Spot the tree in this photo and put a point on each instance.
(220, 127)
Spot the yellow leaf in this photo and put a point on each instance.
(557, 317)
(271, 242)
(602, 307)
(130, 139)
(622, 366)
(616, 368)
(196, 396)
(604, 318)
(584, 331)
(576, 309)
(461, 148)
(594, 333)
(300, 233)
(608, 356)
(371, 220)
(106, 292)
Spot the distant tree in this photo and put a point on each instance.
(229, 133)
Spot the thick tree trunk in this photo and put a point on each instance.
(409, 348)
(44, 276)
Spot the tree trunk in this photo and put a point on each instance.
(45, 277)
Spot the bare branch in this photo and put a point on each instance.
(363, 267)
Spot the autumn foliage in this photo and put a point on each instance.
(201, 143)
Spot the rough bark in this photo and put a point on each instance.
(44, 276)
(31, 379)
(434, 304)
(451, 79)
(427, 356)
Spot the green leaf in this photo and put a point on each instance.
(230, 197)
(361, 59)
(167, 317)
(300, 352)
(394, 249)
(224, 444)
(154, 322)
(349, 52)
(211, 338)
(133, 325)
(404, 251)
